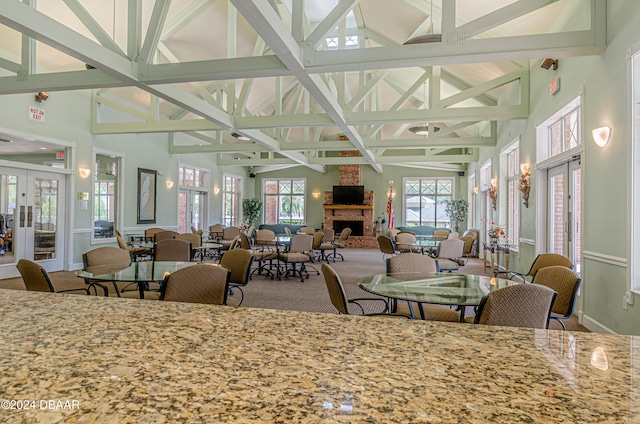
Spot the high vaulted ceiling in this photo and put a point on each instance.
(303, 80)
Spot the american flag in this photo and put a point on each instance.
(391, 219)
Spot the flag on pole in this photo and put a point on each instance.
(391, 218)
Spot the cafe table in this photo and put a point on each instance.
(440, 288)
(141, 273)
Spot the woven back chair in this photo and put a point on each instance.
(453, 235)
(405, 241)
(321, 247)
(239, 262)
(339, 298)
(566, 283)
(469, 245)
(134, 252)
(106, 255)
(202, 283)
(266, 239)
(449, 250)
(422, 264)
(544, 260)
(386, 246)
(193, 238)
(150, 233)
(215, 231)
(172, 250)
(36, 278)
(164, 235)
(440, 235)
(340, 243)
(307, 230)
(521, 305)
(300, 252)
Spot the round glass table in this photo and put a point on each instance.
(441, 288)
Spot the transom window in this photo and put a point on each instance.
(191, 177)
(284, 201)
(351, 41)
(563, 134)
(423, 201)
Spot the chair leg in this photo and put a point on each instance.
(231, 288)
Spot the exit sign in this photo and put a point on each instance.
(554, 86)
(60, 155)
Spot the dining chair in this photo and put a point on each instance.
(405, 242)
(321, 247)
(150, 233)
(422, 264)
(264, 252)
(453, 235)
(543, 260)
(228, 236)
(300, 252)
(520, 305)
(448, 253)
(107, 255)
(440, 235)
(36, 278)
(215, 231)
(287, 231)
(393, 233)
(564, 281)
(239, 262)
(196, 242)
(135, 252)
(340, 243)
(172, 250)
(469, 246)
(165, 235)
(201, 283)
(307, 230)
(339, 298)
(387, 246)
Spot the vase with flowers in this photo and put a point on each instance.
(493, 195)
(495, 232)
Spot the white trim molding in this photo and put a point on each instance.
(595, 326)
(607, 259)
(530, 242)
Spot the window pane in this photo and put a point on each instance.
(428, 187)
(556, 138)
(285, 187)
(271, 187)
(412, 187)
(444, 186)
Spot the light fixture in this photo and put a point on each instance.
(601, 135)
(548, 62)
(525, 168)
(494, 182)
(423, 129)
(169, 183)
(216, 190)
(426, 38)
(523, 185)
(316, 194)
(84, 172)
(240, 137)
(493, 192)
(476, 190)
(42, 96)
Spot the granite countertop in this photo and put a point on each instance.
(131, 361)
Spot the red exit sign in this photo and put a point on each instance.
(59, 155)
(554, 86)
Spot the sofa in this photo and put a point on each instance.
(278, 229)
(422, 230)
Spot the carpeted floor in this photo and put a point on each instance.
(310, 295)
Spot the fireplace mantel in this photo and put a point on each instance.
(352, 207)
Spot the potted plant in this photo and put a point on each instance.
(251, 210)
(457, 210)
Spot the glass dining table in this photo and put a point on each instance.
(441, 288)
(141, 273)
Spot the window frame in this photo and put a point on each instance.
(512, 193)
(278, 195)
(118, 197)
(436, 195)
(633, 80)
(236, 197)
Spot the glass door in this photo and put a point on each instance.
(190, 204)
(32, 221)
(565, 212)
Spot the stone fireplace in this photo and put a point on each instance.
(360, 218)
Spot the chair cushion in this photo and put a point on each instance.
(294, 257)
(432, 312)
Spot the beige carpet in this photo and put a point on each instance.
(310, 295)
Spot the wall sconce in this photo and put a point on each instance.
(493, 192)
(476, 190)
(169, 183)
(524, 183)
(601, 135)
(548, 62)
(42, 96)
(216, 190)
(84, 172)
(316, 194)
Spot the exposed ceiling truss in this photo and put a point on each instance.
(308, 89)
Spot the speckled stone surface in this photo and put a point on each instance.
(132, 361)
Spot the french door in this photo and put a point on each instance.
(564, 216)
(33, 205)
(190, 210)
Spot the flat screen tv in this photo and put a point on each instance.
(348, 195)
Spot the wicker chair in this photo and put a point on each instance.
(265, 251)
(201, 283)
(340, 243)
(107, 255)
(416, 262)
(386, 246)
(449, 252)
(135, 252)
(521, 305)
(300, 252)
(215, 231)
(339, 299)
(164, 235)
(405, 242)
(566, 283)
(172, 250)
(239, 262)
(36, 278)
(195, 240)
(228, 236)
(544, 260)
(150, 233)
